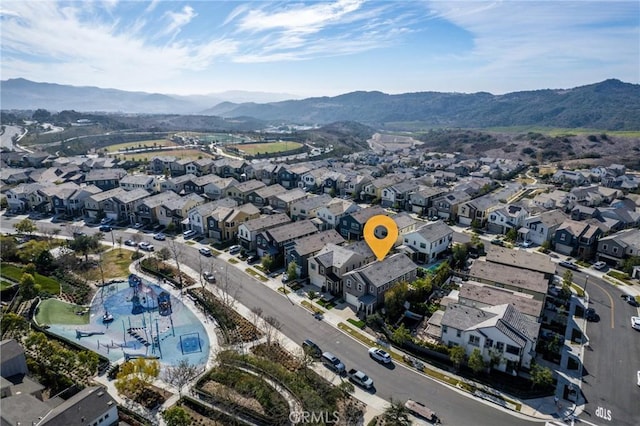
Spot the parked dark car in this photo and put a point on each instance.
(253, 259)
(630, 300)
(311, 348)
(105, 228)
(590, 315)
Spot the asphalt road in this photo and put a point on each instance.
(612, 358)
(297, 324)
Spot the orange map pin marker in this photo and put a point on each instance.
(380, 246)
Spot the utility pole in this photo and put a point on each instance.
(586, 297)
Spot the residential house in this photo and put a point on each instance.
(397, 195)
(74, 204)
(501, 333)
(510, 277)
(364, 288)
(240, 192)
(374, 189)
(301, 250)
(179, 183)
(216, 187)
(198, 215)
(105, 179)
(422, 199)
(625, 215)
(23, 403)
(522, 259)
(355, 184)
(327, 267)
(176, 211)
(98, 205)
(284, 201)
(290, 176)
(405, 224)
(586, 196)
(446, 206)
(260, 197)
(14, 176)
(228, 167)
(24, 197)
(264, 171)
(161, 165)
(614, 249)
(249, 230)
(198, 184)
(123, 205)
(331, 213)
(541, 227)
(149, 183)
(578, 239)
(200, 167)
(429, 242)
(477, 210)
(478, 295)
(314, 179)
(505, 218)
(555, 199)
(150, 210)
(333, 183)
(54, 197)
(272, 241)
(352, 225)
(223, 222)
(308, 208)
(569, 177)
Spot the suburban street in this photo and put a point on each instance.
(297, 324)
(611, 358)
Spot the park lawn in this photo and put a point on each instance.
(54, 311)
(140, 144)
(46, 284)
(269, 147)
(190, 154)
(115, 264)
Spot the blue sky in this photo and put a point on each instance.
(321, 48)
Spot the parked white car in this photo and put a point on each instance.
(380, 355)
(599, 265)
(190, 233)
(635, 322)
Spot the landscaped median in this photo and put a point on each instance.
(311, 307)
(256, 274)
(435, 374)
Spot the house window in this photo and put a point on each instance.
(359, 286)
(500, 346)
(513, 350)
(488, 343)
(458, 333)
(604, 247)
(444, 329)
(349, 283)
(615, 250)
(372, 289)
(313, 266)
(562, 237)
(423, 245)
(474, 340)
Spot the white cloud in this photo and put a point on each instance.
(177, 20)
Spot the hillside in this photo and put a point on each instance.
(609, 105)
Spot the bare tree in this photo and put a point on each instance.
(271, 328)
(228, 294)
(119, 241)
(179, 375)
(176, 253)
(256, 316)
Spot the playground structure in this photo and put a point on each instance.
(144, 321)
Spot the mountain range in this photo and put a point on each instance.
(608, 105)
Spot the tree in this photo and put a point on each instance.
(459, 254)
(85, 244)
(32, 250)
(511, 235)
(292, 270)
(9, 247)
(272, 326)
(41, 115)
(401, 335)
(163, 254)
(26, 226)
(267, 262)
(179, 375)
(567, 280)
(541, 376)
(457, 355)
(396, 414)
(136, 375)
(28, 287)
(476, 362)
(394, 300)
(176, 252)
(176, 416)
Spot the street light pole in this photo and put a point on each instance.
(586, 297)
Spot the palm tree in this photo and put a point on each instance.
(396, 414)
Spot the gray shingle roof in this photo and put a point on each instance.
(315, 242)
(389, 269)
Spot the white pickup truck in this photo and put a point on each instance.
(360, 379)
